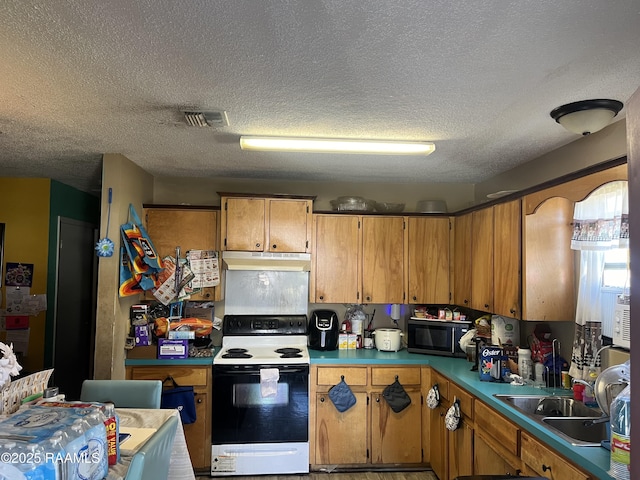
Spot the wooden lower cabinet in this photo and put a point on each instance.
(197, 434)
(487, 460)
(341, 438)
(541, 460)
(395, 437)
(370, 432)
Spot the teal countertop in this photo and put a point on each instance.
(593, 459)
(153, 362)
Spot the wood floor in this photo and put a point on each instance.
(426, 475)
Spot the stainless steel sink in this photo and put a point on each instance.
(580, 428)
(549, 406)
(568, 418)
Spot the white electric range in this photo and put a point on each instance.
(260, 420)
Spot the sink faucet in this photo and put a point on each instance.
(583, 382)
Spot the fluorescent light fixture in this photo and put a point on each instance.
(330, 145)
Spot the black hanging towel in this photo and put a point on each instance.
(396, 396)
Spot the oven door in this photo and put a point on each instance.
(242, 415)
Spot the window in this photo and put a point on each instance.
(616, 274)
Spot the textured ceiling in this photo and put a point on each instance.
(82, 78)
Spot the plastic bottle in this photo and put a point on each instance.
(112, 424)
(525, 364)
(77, 449)
(96, 465)
(620, 415)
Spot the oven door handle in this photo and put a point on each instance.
(256, 371)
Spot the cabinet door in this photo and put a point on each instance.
(289, 225)
(488, 461)
(396, 437)
(506, 259)
(341, 438)
(543, 461)
(336, 259)
(438, 441)
(244, 226)
(197, 434)
(194, 433)
(460, 455)
(546, 241)
(383, 259)
(482, 260)
(462, 260)
(185, 228)
(428, 260)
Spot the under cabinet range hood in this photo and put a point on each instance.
(283, 262)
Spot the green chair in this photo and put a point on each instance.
(123, 393)
(151, 461)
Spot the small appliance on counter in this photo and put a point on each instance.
(324, 330)
(388, 339)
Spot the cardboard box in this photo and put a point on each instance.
(142, 335)
(182, 334)
(150, 351)
(172, 349)
(343, 341)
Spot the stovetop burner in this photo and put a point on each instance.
(236, 353)
(263, 340)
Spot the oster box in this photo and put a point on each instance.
(492, 364)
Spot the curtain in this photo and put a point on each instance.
(600, 222)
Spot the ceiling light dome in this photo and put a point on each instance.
(586, 116)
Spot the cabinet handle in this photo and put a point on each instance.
(486, 305)
(415, 298)
(512, 311)
(321, 399)
(466, 301)
(545, 468)
(368, 299)
(274, 246)
(377, 399)
(199, 400)
(257, 245)
(321, 297)
(207, 295)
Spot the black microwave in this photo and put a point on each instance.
(436, 337)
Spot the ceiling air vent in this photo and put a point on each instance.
(207, 119)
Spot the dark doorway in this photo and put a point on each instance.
(74, 324)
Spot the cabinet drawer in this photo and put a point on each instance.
(184, 376)
(386, 376)
(545, 462)
(443, 384)
(466, 400)
(333, 375)
(502, 430)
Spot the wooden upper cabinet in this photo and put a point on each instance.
(548, 280)
(482, 260)
(290, 225)
(462, 260)
(428, 259)
(335, 276)
(187, 228)
(383, 247)
(254, 224)
(243, 226)
(506, 259)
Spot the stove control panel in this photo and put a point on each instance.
(264, 325)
